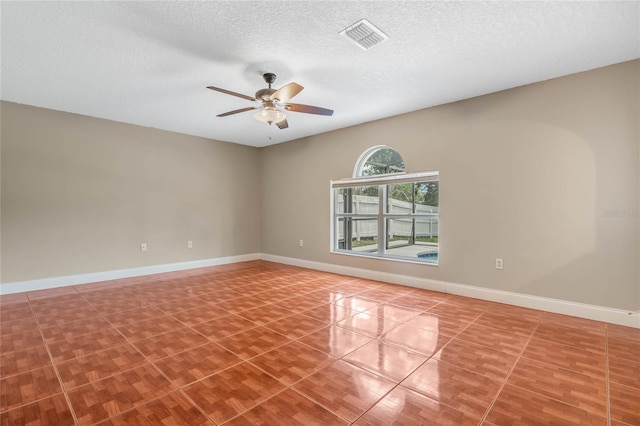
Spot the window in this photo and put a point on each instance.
(385, 212)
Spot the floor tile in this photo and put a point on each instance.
(51, 411)
(222, 327)
(183, 304)
(111, 396)
(624, 372)
(595, 341)
(344, 389)
(517, 312)
(196, 316)
(24, 360)
(171, 343)
(233, 391)
(620, 331)
(99, 365)
(75, 329)
(292, 362)
(393, 312)
(572, 388)
(516, 406)
(569, 357)
(438, 323)
(479, 359)
(327, 295)
(329, 313)
(253, 342)
(625, 404)
(574, 322)
(68, 316)
(290, 408)
(240, 304)
(18, 325)
(403, 406)
(389, 361)
(172, 409)
(501, 339)
(13, 314)
(151, 327)
(299, 304)
(296, 326)
(455, 387)
(197, 363)
(453, 310)
(19, 341)
(416, 339)
(368, 324)
(335, 341)
(619, 347)
(514, 325)
(134, 316)
(28, 387)
(74, 347)
(125, 351)
(356, 303)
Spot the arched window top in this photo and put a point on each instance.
(379, 160)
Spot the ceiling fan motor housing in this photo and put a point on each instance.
(264, 94)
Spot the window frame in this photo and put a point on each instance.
(382, 216)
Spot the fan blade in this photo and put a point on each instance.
(282, 124)
(235, 111)
(308, 109)
(229, 92)
(286, 92)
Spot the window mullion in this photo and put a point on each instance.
(382, 223)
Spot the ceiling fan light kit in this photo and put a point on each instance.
(273, 103)
(269, 115)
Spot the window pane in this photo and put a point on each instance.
(427, 231)
(364, 236)
(399, 232)
(360, 200)
(427, 197)
(400, 198)
(381, 162)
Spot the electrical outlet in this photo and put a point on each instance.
(143, 246)
(499, 264)
(189, 244)
(300, 243)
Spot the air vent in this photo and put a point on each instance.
(364, 34)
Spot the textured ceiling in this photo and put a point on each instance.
(148, 63)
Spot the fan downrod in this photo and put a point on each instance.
(269, 78)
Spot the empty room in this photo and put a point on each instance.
(320, 213)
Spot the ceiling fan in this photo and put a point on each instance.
(273, 103)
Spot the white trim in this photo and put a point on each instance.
(389, 178)
(582, 310)
(54, 282)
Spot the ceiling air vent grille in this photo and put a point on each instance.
(364, 34)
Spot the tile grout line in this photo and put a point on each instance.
(418, 367)
(509, 373)
(55, 368)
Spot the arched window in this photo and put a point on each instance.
(383, 211)
(379, 160)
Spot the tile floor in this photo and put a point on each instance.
(262, 343)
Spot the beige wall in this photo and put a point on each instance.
(80, 194)
(527, 175)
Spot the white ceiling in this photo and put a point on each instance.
(148, 63)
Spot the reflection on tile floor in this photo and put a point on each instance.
(263, 343)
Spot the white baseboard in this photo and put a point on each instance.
(592, 312)
(47, 283)
(582, 310)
